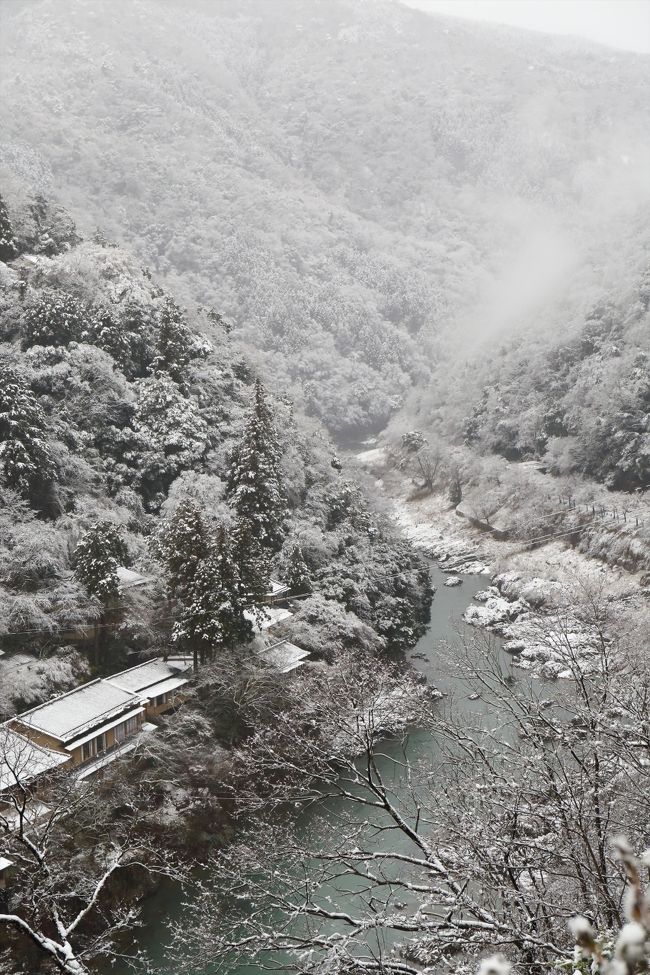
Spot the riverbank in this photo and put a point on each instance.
(498, 580)
(550, 602)
(431, 657)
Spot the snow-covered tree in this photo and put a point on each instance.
(138, 322)
(173, 343)
(212, 617)
(216, 319)
(181, 544)
(252, 562)
(455, 490)
(8, 246)
(173, 436)
(295, 572)
(54, 317)
(54, 230)
(25, 458)
(65, 862)
(254, 483)
(108, 332)
(97, 557)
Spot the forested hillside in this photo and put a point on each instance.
(135, 434)
(570, 386)
(360, 174)
(306, 306)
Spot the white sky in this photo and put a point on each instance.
(617, 23)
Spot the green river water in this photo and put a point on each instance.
(432, 657)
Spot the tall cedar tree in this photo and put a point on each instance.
(25, 461)
(106, 331)
(174, 343)
(8, 246)
(96, 559)
(254, 483)
(181, 545)
(252, 562)
(296, 573)
(212, 617)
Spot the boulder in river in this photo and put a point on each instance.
(485, 594)
(496, 613)
(514, 646)
(551, 670)
(453, 581)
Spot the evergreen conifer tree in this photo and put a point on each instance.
(212, 617)
(174, 343)
(96, 559)
(252, 562)
(25, 461)
(455, 489)
(8, 246)
(296, 573)
(109, 334)
(181, 545)
(254, 482)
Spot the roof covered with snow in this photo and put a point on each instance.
(165, 686)
(277, 588)
(143, 678)
(128, 578)
(284, 656)
(21, 760)
(267, 617)
(180, 663)
(70, 715)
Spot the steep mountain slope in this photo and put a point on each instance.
(570, 386)
(117, 410)
(346, 181)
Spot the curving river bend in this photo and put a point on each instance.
(429, 656)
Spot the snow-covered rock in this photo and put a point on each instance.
(476, 568)
(495, 613)
(551, 670)
(485, 594)
(453, 581)
(536, 592)
(514, 646)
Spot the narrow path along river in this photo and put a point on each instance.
(433, 656)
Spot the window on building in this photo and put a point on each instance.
(128, 728)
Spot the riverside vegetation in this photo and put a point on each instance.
(229, 232)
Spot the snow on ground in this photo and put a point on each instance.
(373, 457)
(546, 643)
(529, 603)
(432, 531)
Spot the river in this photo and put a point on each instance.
(433, 656)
